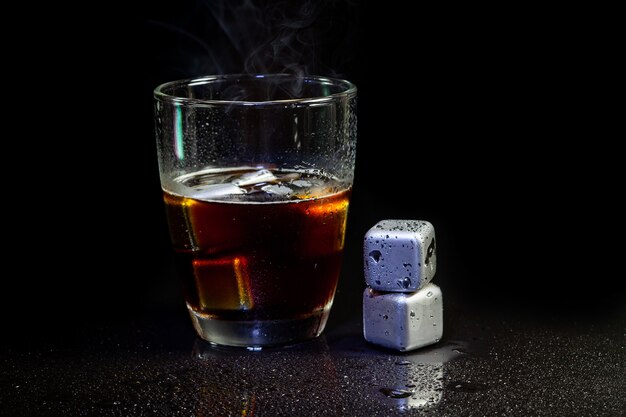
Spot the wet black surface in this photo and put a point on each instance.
(486, 364)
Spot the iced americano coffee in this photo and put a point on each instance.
(259, 245)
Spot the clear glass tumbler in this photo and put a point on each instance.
(257, 172)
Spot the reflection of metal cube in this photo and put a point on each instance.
(419, 385)
(403, 321)
(400, 255)
(428, 380)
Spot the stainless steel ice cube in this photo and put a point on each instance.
(403, 321)
(400, 255)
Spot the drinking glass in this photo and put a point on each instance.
(256, 172)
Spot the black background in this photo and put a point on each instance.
(495, 125)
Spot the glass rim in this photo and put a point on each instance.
(161, 94)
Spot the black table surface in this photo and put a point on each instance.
(491, 361)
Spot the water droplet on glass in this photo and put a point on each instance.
(429, 294)
(386, 333)
(406, 282)
(385, 317)
(404, 363)
(412, 313)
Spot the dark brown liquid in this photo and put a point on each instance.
(258, 261)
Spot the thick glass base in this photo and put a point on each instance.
(258, 334)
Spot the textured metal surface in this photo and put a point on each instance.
(400, 255)
(487, 364)
(403, 321)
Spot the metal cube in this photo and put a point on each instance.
(400, 255)
(403, 321)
